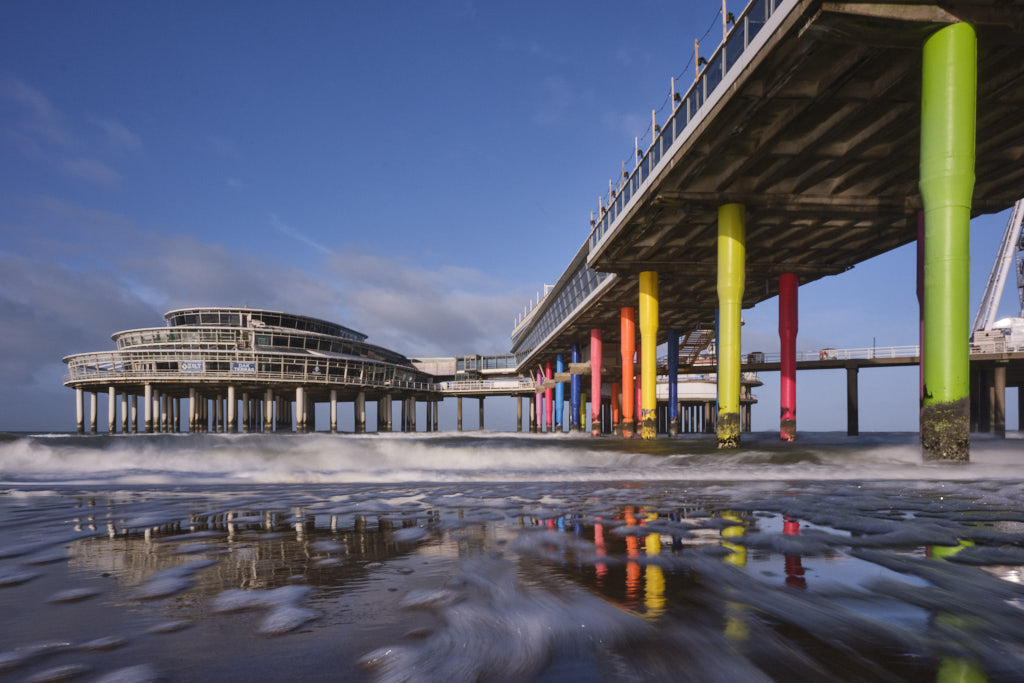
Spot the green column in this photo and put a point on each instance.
(731, 264)
(948, 104)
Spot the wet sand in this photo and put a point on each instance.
(851, 580)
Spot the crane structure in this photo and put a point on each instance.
(986, 332)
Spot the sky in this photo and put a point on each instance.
(416, 171)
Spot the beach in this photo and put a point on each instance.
(498, 557)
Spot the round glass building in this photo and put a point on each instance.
(267, 360)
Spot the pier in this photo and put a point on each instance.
(816, 136)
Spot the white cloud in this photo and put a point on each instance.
(119, 135)
(39, 115)
(92, 171)
(296, 235)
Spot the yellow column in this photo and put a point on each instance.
(731, 265)
(648, 351)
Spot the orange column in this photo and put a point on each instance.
(627, 319)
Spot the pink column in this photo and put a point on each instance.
(549, 397)
(540, 402)
(595, 382)
(788, 323)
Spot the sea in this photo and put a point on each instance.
(508, 557)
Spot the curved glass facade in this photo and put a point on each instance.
(247, 347)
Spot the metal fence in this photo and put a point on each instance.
(243, 368)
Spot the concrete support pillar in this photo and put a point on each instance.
(615, 401)
(788, 326)
(79, 410)
(268, 409)
(549, 398)
(458, 411)
(177, 415)
(133, 405)
(673, 382)
(596, 344)
(648, 354)
(948, 123)
(300, 409)
(481, 423)
(999, 400)
(232, 410)
(334, 411)
(519, 413)
(147, 407)
(124, 413)
(852, 410)
(218, 413)
(574, 391)
(559, 395)
(360, 412)
(436, 405)
(412, 413)
(533, 413)
(245, 412)
(193, 413)
(111, 410)
(627, 324)
(731, 281)
(93, 411)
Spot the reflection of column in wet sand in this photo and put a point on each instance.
(735, 626)
(632, 566)
(794, 567)
(600, 568)
(954, 668)
(654, 579)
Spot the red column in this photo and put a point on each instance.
(787, 337)
(627, 323)
(549, 398)
(595, 382)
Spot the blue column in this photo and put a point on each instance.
(673, 382)
(559, 394)
(574, 392)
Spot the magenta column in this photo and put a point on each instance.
(595, 382)
(549, 398)
(540, 403)
(788, 323)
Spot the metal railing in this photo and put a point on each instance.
(866, 353)
(496, 385)
(170, 367)
(685, 107)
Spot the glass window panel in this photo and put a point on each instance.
(733, 47)
(714, 74)
(695, 100)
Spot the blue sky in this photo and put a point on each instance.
(414, 170)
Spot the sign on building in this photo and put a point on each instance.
(243, 367)
(191, 366)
